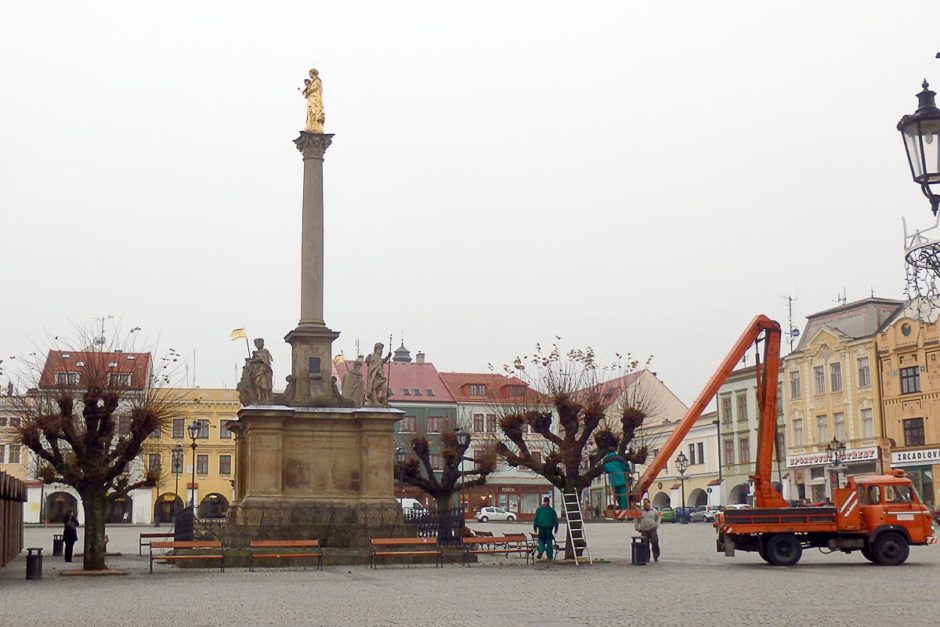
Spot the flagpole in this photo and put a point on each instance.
(388, 378)
(247, 345)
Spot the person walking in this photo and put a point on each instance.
(70, 533)
(647, 522)
(545, 524)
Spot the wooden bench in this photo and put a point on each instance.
(211, 550)
(265, 545)
(512, 543)
(410, 546)
(149, 536)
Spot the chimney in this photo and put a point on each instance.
(419, 357)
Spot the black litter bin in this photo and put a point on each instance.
(34, 563)
(57, 543)
(639, 551)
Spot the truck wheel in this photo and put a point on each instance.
(866, 551)
(783, 549)
(890, 549)
(763, 554)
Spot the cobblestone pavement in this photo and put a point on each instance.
(691, 585)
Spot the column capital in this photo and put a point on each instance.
(313, 145)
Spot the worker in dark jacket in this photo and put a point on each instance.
(545, 524)
(69, 533)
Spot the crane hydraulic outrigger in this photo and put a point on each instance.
(880, 515)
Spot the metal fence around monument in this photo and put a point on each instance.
(446, 525)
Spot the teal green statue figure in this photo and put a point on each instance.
(545, 524)
(616, 466)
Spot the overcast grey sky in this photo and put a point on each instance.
(637, 178)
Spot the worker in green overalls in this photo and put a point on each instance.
(616, 466)
(545, 524)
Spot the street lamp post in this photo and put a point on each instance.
(921, 134)
(194, 430)
(836, 451)
(682, 464)
(400, 458)
(177, 470)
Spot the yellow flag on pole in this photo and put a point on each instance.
(339, 359)
(238, 334)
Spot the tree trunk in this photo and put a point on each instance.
(443, 503)
(569, 546)
(96, 506)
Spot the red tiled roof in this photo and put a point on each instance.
(411, 376)
(497, 386)
(87, 362)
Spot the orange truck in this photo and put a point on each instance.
(879, 515)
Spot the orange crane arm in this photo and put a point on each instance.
(767, 374)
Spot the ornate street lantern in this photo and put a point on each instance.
(836, 451)
(921, 134)
(463, 437)
(400, 454)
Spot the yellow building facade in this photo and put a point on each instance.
(832, 391)
(206, 474)
(909, 361)
(14, 456)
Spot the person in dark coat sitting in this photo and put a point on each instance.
(70, 533)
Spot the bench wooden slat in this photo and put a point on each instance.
(402, 541)
(218, 551)
(254, 545)
(208, 556)
(190, 544)
(405, 543)
(275, 544)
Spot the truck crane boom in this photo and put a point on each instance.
(761, 328)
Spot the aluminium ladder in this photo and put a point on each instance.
(574, 522)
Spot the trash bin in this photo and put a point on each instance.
(639, 551)
(34, 562)
(57, 543)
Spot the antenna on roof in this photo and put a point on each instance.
(100, 340)
(841, 297)
(792, 333)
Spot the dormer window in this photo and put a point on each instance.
(112, 364)
(477, 389)
(416, 391)
(80, 363)
(429, 392)
(406, 391)
(66, 378)
(131, 358)
(119, 379)
(65, 356)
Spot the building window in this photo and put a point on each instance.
(914, 432)
(726, 408)
(779, 398)
(478, 423)
(405, 392)
(691, 454)
(794, 384)
(822, 429)
(491, 423)
(864, 373)
(14, 457)
(225, 464)
(437, 462)
(835, 376)
(537, 456)
(429, 392)
(696, 453)
(408, 424)
(224, 432)
(155, 433)
(868, 423)
(202, 464)
(434, 424)
(910, 380)
(415, 392)
(67, 378)
(838, 425)
(477, 389)
(797, 432)
(819, 379)
(119, 379)
(178, 428)
(2, 448)
(153, 462)
(203, 429)
(744, 448)
(781, 446)
(729, 452)
(14, 421)
(740, 401)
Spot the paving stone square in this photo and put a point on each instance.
(691, 585)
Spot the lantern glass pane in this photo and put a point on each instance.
(931, 147)
(912, 144)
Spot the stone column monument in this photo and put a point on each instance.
(308, 463)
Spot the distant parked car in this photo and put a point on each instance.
(487, 514)
(411, 505)
(666, 514)
(704, 513)
(737, 506)
(684, 512)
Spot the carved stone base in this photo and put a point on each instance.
(298, 456)
(312, 368)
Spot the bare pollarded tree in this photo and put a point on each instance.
(86, 418)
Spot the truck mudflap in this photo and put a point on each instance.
(725, 544)
(931, 539)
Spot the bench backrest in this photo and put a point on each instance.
(403, 541)
(192, 544)
(156, 535)
(484, 534)
(279, 544)
(495, 539)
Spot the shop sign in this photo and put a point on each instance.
(914, 458)
(852, 456)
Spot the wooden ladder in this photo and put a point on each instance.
(575, 525)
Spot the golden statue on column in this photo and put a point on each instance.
(313, 92)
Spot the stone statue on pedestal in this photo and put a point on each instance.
(313, 92)
(262, 375)
(246, 387)
(376, 381)
(354, 386)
